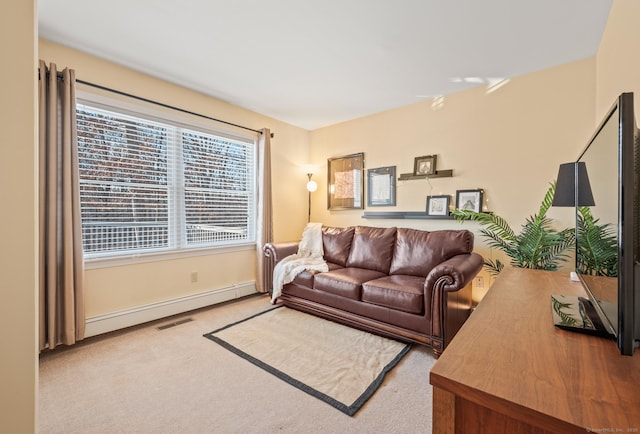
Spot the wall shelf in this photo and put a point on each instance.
(408, 215)
(404, 215)
(439, 174)
(411, 215)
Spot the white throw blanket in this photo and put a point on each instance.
(309, 257)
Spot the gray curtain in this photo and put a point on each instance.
(61, 302)
(264, 225)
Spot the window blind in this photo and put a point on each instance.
(149, 186)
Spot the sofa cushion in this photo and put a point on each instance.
(337, 243)
(306, 277)
(333, 266)
(399, 292)
(372, 248)
(418, 252)
(345, 282)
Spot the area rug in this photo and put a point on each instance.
(340, 365)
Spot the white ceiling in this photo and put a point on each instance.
(313, 63)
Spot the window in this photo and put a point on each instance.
(149, 185)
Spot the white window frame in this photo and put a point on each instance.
(155, 113)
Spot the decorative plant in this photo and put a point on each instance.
(597, 246)
(537, 246)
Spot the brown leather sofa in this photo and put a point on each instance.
(404, 283)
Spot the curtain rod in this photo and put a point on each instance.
(119, 92)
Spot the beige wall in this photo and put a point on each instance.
(618, 59)
(509, 142)
(116, 288)
(18, 230)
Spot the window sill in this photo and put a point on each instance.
(119, 261)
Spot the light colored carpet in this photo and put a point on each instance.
(337, 364)
(145, 380)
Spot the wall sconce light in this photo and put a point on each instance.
(312, 186)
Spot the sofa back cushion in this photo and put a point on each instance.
(336, 243)
(418, 252)
(372, 248)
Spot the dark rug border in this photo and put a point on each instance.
(349, 410)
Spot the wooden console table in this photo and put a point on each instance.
(509, 370)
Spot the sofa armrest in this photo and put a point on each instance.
(279, 251)
(454, 274)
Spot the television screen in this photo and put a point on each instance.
(597, 221)
(607, 226)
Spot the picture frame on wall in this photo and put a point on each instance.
(345, 182)
(438, 205)
(381, 186)
(469, 200)
(425, 165)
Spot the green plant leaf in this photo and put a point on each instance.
(538, 245)
(597, 246)
(493, 267)
(565, 318)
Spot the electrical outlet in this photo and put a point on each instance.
(480, 282)
(194, 277)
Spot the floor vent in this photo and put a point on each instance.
(173, 324)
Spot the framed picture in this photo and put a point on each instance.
(470, 200)
(381, 186)
(345, 182)
(425, 165)
(438, 205)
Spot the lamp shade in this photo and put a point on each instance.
(565, 194)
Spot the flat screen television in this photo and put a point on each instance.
(608, 225)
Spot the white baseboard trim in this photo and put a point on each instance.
(100, 324)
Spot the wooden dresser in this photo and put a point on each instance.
(509, 370)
